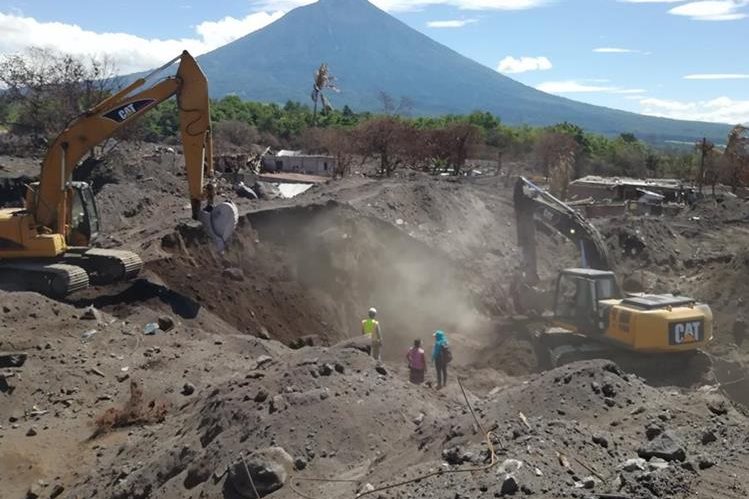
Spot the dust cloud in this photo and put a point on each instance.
(349, 263)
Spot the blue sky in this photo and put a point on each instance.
(677, 58)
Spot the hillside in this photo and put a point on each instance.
(370, 51)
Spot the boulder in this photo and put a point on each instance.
(665, 446)
(165, 323)
(509, 486)
(269, 469)
(361, 343)
(233, 273)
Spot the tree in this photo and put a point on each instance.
(557, 151)
(735, 166)
(47, 88)
(705, 147)
(322, 80)
(388, 138)
(451, 145)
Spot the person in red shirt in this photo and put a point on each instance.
(417, 364)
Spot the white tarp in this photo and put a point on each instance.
(292, 190)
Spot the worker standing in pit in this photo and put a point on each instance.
(441, 356)
(417, 364)
(371, 327)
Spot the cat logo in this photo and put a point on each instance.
(125, 111)
(682, 333)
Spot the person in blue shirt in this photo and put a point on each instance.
(441, 356)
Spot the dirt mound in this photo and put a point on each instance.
(582, 427)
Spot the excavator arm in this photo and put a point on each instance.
(51, 204)
(533, 204)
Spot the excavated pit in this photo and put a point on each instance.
(315, 270)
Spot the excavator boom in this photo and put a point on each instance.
(534, 204)
(101, 122)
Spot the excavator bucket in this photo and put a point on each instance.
(219, 222)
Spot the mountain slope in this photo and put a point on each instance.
(370, 51)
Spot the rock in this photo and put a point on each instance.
(634, 464)
(339, 368)
(277, 403)
(263, 333)
(269, 468)
(31, 432)
(652, 430)
(705, 462)
(657, 463)
(34, 492)
(325, 370)
(261, 395)
(361, 343)
(609, 402)
(300, 463)
(262, 360)
(188, 389)
(122, 377)
(509, 486)
(717, 406)
(368, 487)
(381, 370)
(689, 466)
(56, 491)
(666, 446)
(510, 466)
(595, 386)
(589, 482)
(708, 437)
(452, 456)
(418, 419)
(91, 314)
(196, 474)
(601, 440)
(165, 323)
(234, 274)
(608, 390)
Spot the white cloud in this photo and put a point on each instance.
(129, 52)
(712, 10)
(615, 50)
(511, 65)
(650, 1)
(717, 76)
(405, 5)
(453, 23)
(720, 110)
(586, 86)
(572, 87)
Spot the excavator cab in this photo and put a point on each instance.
(84, 223)
(578, 296)
(84, 216)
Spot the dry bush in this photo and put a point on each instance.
(135, 411)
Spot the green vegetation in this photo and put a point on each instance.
(289, 126)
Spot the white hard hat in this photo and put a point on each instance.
(372, 311)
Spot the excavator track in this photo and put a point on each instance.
(52, 279)
(105, 266)
(673, 368)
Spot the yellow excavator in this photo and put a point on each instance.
(46, 245)
(591, 317)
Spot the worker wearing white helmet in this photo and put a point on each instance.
(371, 327)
